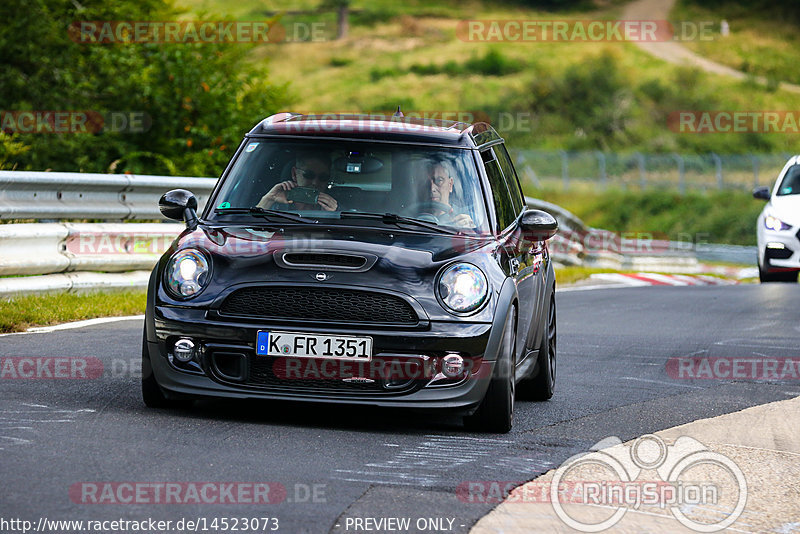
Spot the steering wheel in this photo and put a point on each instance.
(430, 206)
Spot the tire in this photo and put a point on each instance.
(542, 386)
(782, 276)
(496, 411)
(152, 395)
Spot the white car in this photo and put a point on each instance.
(778, 226)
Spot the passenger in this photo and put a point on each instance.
(439, 187)
(311, 170)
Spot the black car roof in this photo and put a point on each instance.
(378, 128)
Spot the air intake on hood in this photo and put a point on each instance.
(336, 261)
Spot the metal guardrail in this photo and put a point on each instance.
(108, 197)
(570, 170)
(48, 248)
(41, 257)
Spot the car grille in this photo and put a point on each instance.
(780, 254)
(319, 304)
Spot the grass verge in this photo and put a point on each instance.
(763, 38)
(20, 313)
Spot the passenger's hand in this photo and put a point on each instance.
(277, 194)
(327, 202)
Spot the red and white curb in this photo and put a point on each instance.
(656, 279)
(617, 280)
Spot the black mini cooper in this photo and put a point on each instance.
(358, 260)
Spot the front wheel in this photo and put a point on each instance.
(496, 411)
(152, 395)
(542, 386)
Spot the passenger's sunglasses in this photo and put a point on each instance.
(315, 177)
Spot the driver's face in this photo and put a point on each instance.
(312, 173)
(441, 184)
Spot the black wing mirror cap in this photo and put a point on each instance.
(761, 193)
(180, 205)
(539, 225)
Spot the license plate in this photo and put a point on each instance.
(300, 345)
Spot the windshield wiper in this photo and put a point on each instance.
(255, 210)
(393, 218)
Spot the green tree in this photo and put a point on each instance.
(199, 98)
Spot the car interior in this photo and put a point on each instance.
(380, 181)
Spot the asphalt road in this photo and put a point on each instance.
(367, 463)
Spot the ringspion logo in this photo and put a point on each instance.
(691, 479)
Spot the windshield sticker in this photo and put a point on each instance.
(224, 206)
(251, 147)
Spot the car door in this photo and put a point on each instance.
(530, 278)
(508, 207)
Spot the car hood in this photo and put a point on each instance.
(785, 208)
(400, 248)
(405, 263)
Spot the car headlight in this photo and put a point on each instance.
(773, 223)
(463, 287)
(187, 273)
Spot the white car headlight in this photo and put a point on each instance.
(773, 223)
(463, 287)
(187, 273)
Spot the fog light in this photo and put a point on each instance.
(776, 246)
(452, 365)
(183, 350)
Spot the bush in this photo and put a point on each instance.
(493, 63)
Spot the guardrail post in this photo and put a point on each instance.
(601, 161)
(564, 168)
(756, 164)
(718, 166)
(681, 173)
(642, 170)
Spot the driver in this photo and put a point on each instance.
(311, 170)
(440, 188)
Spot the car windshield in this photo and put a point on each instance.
(791, 182)
(335, 182)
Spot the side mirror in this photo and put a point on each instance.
(538, 225)
(761, 193)
(180, 205)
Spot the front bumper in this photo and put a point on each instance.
(780, 251)
(206, 377)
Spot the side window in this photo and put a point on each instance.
(511, 176)
(503, 205)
